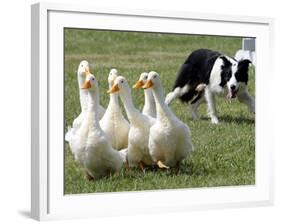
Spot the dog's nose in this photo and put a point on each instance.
(232, 87)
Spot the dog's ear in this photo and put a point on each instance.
(244, 62)
(242, 70)
(243, 65)
(226, 62)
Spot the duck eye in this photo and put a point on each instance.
(145, 77)
(154, 76)
(122, 81)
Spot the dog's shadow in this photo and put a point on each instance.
(231, 119)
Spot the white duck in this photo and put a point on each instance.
(138, 152)
(149, 103)
(82, 71)
(169, 139)
(113, 123)
(89, 144)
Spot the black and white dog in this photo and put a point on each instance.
(206, 73)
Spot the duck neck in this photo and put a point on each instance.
(149, 99)
(113, 99)
(162, 109)
(93, 105)
(83, 94)
(131, 111)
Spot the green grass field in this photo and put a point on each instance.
(224, 154)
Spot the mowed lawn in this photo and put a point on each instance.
(224, 154)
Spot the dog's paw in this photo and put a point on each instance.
(214, 120)
(169, 98)
(201, 87)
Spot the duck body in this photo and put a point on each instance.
(115, 126)
(169, 142)
(90, 145)
(138, 150)
(140, 124)
(113, 123)
(170, 139)
(93, 151)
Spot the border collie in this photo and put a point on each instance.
(207, 73)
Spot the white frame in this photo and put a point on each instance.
(48, 201)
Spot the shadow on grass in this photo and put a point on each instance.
(184, 169)
(230, 119)
(192, 170)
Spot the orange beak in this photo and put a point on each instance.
(138, 84)
(148, 84)
(87, 71)
(86, 85)
(113, 89)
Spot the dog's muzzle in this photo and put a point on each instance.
(232, 92)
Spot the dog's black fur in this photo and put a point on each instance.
(216, 73)
(197, 68)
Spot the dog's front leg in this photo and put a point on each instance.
(177, 92)
(212, 112)
(172, 95)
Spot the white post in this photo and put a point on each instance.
(248, 50)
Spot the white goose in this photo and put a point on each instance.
(89, 144)
(113, 123)
(82, 71)
(138, 152)
(149, 103)
(169, 139)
